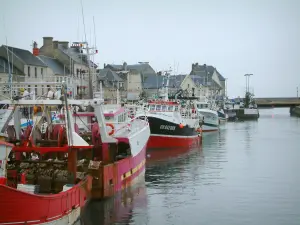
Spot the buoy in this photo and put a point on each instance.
(181, 125)
(112, 129)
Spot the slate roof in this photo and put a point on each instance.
(141, 67)
(4, 67)
(55, 65)
(108, 77)
(199, 79)
(152, 81)
(26, 56)
(75, 54)
(176, 80)
(210, 70)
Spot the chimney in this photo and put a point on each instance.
(124, 66)
(65, 44)
(55, 44)
(35, 50)
(47, 41)
(104, 65)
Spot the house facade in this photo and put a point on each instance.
(74, 61)
(210, 77)
(138, 78)
(24, 67)
(110, 81)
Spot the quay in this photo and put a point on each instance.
(277, 102)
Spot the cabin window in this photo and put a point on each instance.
(152, 107)
(176, 108)
(158, 107)
(164, 108)
(170, 108)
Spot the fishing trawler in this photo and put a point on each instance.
(56, 171)
(172, 124)
(210, 117)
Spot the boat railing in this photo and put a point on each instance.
(133, 125)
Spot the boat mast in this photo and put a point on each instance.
(167, 76)
(90, 85)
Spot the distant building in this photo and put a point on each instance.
(110, 81)
(72, 59)
(209, 77)
(138, 79)
(24, 67)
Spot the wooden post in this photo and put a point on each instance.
(72, 164)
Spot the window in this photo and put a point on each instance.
(42, 89)
(164, 108)
(158, 107)
(170, 108)
(28, 88)
(188, 85)
(42, 73)
(35, 72)
(28, 71)
(152, 107)
(35, 90)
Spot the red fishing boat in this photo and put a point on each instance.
(42, 175)
(45, 175)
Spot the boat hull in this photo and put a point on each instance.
(118, 176)
(18, 207)
(167, 134)
(123, 173)
(207, 127)
(172, 141)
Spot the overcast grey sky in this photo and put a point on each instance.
(237, 37)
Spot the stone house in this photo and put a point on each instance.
(110, 81)
(209, 77)
(139, 79)
(74, 58)
(24, 67)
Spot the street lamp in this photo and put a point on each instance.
(226, 86)
(247, 80)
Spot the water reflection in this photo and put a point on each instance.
(117, 210)
(244, 174)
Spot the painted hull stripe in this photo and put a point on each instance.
(174, 136)
(133, 171)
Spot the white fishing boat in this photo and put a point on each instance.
(210, 121)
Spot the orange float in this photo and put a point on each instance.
(112, 129)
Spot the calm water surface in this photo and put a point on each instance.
(247, 173)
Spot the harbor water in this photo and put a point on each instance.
(247, 173)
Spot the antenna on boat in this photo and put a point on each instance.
(88, 58)
(9, 69)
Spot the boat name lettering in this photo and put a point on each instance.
(167, 127)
